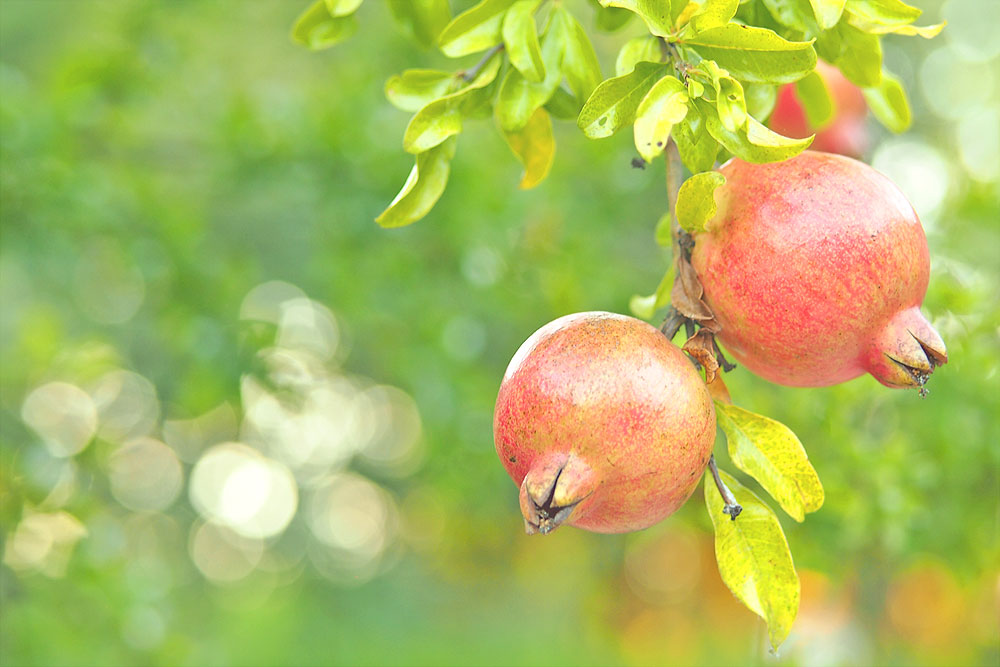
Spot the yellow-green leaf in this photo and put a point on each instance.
(698, 149)
(656, 13)
(579, 64)
(613, 104)
(860, 57)
(422, 19)
(535, 147)
(636, 50)
(714, 13)
(476, 29)
(769, 452)
(423, 187)
(432, 124)
(882, 12)
(754, 55)
(754, 559)
(761, 98)
(316, 29)
(696, 200)
(415, 88)
(664, 106)
(519, 98)
(753, 142)
(610, 19)
(520, 36)
(342, 7)
(888, 103)
(827, 12)
(812, 92)
(645, 307)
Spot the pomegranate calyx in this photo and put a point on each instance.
(552, 490)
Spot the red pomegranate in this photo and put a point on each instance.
(603, 423)
(816, 268)
(845, 133)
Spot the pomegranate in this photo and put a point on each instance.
(603, 423)
(815, 269)
(844, 133)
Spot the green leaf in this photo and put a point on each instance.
(769, 452)
(316, 29)
(519, 98)
(860, 58)
(415, 88)
(613, 104)
(698, 149)
(794, 14)
(696, 200)
(658, 14)
(645, 307)
(755, 55)
(730, 100)
(562, 105)
(338, 8)
(520, 36)
(535, 147)
(422, 19)
(663, 234)
(761, 98)
(714, 13)
(827, 12)
(476, 29)
(812, 93)
(888, 103)
(580, 65)
(636, 50)
(882, 12)
(423, 187)
(754, 142)
(754, 559)
(610, 19)
(664, 106)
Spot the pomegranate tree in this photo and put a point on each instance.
(603, 424)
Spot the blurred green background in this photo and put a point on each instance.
(292, 458)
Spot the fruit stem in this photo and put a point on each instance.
(732, 507)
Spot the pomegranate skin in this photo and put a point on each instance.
(845, 133)
(815, 269)
(603, 423)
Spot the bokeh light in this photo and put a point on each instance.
(145, 474)
(63, 415)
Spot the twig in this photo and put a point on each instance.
(732, 508)
(471, 74)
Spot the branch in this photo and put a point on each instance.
(471, 74)
(732, 507)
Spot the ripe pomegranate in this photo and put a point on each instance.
(816, 268)
(603, 423)
(845, 133)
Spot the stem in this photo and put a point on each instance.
(732, 507)
(471, 74)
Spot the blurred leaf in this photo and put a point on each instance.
(422, 19)
(761, 98)
(613, 103)
(755, 54)
(520, 36)
(794, 14)
(476, 29)
(635, 50)
(889, 104)
(769, 452)
(519, 98)
(579, 64)
(926, 31)
(753, 142)
(423, 187)
(659, 15)
(535, 147)
(696, 200)
(663, 233)
(827, 12)
(814, 96)
(316, 29)
(562, 105)
(610, 19)
(860, 57)
(432, 124)
(696, 146)
(339, 8)
(882, 12)
(415, 88)
(714, 13)
(664, 106)
(645, 307)
(753, 557)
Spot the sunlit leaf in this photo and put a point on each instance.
(476, 29)
(696, 200)
(860, 58)
(658, 14)
(423, 187)
(714, 13)
(338, 8)
(730, 100)
(316, 29)
(889, 104)
(519, 98)
(814, 96)
(755, 54)
(754, 142)
(664, 106)
(432, 124)
(636, 50)
(579, 65)
(613, 104)
(698, 149)
(520, 36)
(827, 12)
(754, 559)
(645, 307)
(415, 88)
(535, 147)
(422, 19)
(883, 12)
(769, 452)
(925, 31)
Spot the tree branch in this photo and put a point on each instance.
(471, 74)
(732, 507)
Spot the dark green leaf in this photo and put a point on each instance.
(636, 50)
(889, 104)
(476, 29)
(316, 29)
(580, 65)
(755, 54)
(664, 106)
(696, 200)
(423, 187)
(613, 103)
(415, 88)
(520, 36)
(812, 93)
(422, 19)
(535, 147)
